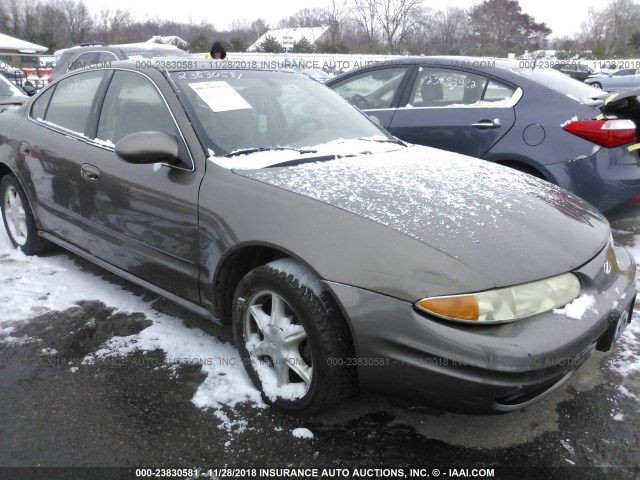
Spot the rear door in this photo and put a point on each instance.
(455, 110)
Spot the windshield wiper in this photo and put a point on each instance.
(300, 161)
(247, 151)
(394, 140)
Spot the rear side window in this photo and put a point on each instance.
(71, 102)
(561, 83)
(441, 87)
(92, 59)
(497, 92)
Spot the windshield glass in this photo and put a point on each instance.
(8, 89)
(237, 110)
(561, 83)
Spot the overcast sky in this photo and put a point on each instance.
(562, 16)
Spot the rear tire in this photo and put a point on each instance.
(293, 342)
(597, 85)
(18, 218)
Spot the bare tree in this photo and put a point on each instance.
(112, 26)
(77, 19)
(448, 26)
(305, 18)
(593, 30)
(397, 18)
(364, 13)
(622, 21)
(258, 28)
(335, 14)
(418, 38)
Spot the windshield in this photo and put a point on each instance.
(8, 89)
(561, 83)
(237, 110)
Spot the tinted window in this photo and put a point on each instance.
(39, 107)
(624, 73)
(71, 102)
(132, 104)
(372, 89)
(560, 83)
(83, 60)
(497, 92)
(440, 87)
(92, 59)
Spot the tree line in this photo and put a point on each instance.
(491, 27)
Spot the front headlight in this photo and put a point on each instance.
(505, 304)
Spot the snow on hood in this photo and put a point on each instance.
(339, 148)
(455, 204)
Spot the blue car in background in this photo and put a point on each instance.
(618, 81)
(538, 121)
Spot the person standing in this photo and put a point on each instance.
(217, 52)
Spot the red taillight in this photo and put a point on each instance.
(608, 133)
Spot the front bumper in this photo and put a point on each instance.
(401, 352)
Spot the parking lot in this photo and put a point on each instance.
(96, 372)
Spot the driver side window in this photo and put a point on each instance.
(132, 104)
(373, 89)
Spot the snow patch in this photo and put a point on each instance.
(302, 274)
(339, 148)
(578, 307)
(302, 433)
(31, 285)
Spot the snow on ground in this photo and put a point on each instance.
(302, 433)
(627, 356)
(34, 285)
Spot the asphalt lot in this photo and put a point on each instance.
(136, 410)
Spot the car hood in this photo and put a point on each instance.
(507, 226)
(13, 100)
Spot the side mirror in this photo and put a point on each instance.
(148, 147)
(29, 89)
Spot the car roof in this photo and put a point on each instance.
(123, 47)
(179, 64)
(481, 64)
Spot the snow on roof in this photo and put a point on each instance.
(12, 43)
(168, 40)
(288, 36)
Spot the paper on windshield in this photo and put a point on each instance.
(219, 96)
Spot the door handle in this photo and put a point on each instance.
(90, 173)
(487, 124)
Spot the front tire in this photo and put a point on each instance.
(293, 342)
(596, 85)
(18, 218)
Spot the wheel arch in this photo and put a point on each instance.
(239, 261)
(6, 170)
